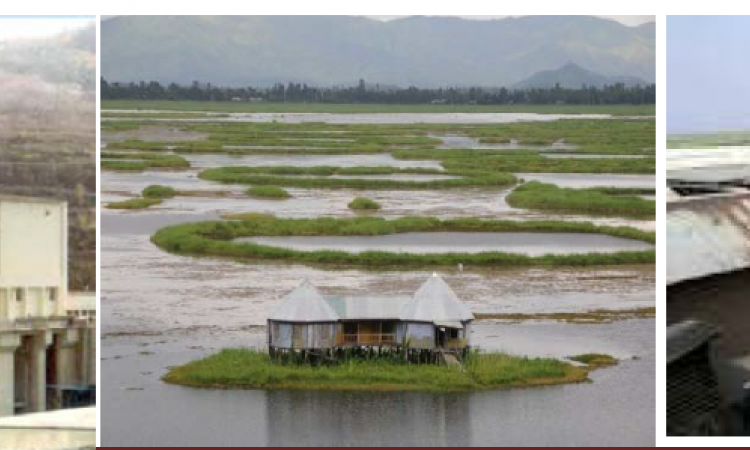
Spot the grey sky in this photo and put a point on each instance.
(15, 27)
(707, 73)
(625, 20)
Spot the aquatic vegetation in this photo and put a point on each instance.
(215, 238)
(364, 203)
(140, 161)
(592, 201)
(594, 359)
(290, 107)
(273, 192)
(320, 177)
(158, 191)
(252, 369)
(584, 317)
(134, 203)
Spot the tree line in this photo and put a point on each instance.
(614, 94)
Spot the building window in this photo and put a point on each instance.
(52, 294)
(19, 294)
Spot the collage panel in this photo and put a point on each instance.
(48, 217)
(708, 226)
(378, 230)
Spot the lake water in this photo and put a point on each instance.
(586, 180)
(378, 118)
(533, 244)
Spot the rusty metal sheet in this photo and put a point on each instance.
(707, 235)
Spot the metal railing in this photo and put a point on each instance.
(370, 338)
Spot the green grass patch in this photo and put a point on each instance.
(273, 192)
(251, 369)
(364, 203)
(158, 191)
(140, 161)
(134, 203)
(593, 201)
(216, 238)
(320, 177)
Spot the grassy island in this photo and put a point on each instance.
(272, 192)
(364, 204)
(252, 369)
(216, 238)
(594, 201)
(321, 177)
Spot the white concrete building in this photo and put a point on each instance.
(47, 343)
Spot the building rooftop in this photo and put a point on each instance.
(433, 302)
(707, 235)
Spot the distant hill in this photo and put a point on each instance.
(573, 76)
(339, 50)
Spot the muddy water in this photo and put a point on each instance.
(380, 118)
(371, 159)
(161, 310)
(458, 141)
(532, 244)
(316, 202)
(586, 180)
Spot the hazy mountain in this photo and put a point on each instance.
(573, 76)
(327, 50)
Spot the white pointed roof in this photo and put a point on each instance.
(436, 302)
(303, 304)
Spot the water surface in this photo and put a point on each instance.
(533, 244)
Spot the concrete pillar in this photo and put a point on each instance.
(90, 355)
(68, 361)
(9, 342)
(38, 371)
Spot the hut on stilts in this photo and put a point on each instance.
(430, 326)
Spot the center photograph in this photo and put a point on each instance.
(378, 231)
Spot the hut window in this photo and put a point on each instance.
(453, 333)
(52, 294)
(350, 328)
(19, 294)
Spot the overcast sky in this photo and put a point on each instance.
(708, 87)
(13, 27)
(626, 20)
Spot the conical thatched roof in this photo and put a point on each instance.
(303, 304)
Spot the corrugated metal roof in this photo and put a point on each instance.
(684, 337)
(435, 301)
(304, 304)
(368, 308)
(707, 235)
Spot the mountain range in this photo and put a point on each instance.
(340, 50)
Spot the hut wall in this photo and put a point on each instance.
(420, 335)
(302, 335)
(281, 335)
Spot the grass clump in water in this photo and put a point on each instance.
(593, 201)
(158, 191)
(140, 161)
(273, 192)
(134, 203)
(252, 369)
(595, 359)
(364, 203)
